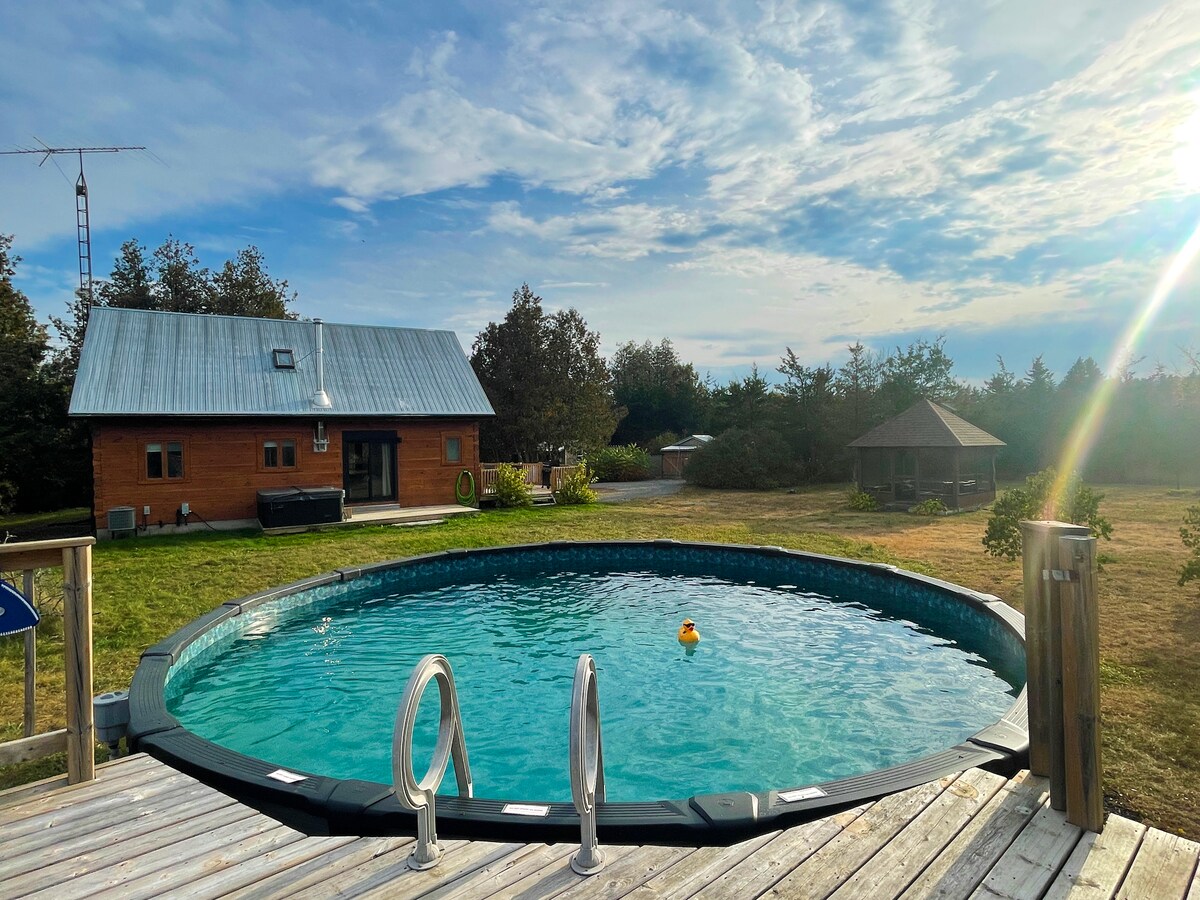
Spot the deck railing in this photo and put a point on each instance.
(533, 476)
(74, 556)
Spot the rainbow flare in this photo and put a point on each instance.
(1087, 427)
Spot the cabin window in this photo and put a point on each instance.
(452, 450)
(279, 454)
(164, 460)
(284, 359)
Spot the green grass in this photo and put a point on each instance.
(26, 520)
(148, 587)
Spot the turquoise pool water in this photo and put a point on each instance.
(788, 685)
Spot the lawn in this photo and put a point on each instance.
(148, 587)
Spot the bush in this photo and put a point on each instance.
(576, 488)
(931, 507)
(627, 463)
(511, 488)
(754, 459)
(862, 502)
(1190, 534)
(1078, 504)
(656, 443)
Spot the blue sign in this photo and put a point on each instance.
(16, 613)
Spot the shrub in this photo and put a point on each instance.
(931, 507)
(627, 463)
(576, 488)
(1190, 534)
(1078, 503)
(656, 443)
(511, 487)
(754, 459)
(862, 501)
(8, 496)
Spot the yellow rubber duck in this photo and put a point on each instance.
(688, 633)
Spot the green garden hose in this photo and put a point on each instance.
(467, 499)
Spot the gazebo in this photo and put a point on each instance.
(927, 452)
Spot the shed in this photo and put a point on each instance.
(675, 457)
(927, 452)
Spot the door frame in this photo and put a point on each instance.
(390, 439)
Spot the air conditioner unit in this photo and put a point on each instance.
(122, 519)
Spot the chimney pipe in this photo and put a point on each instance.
(320, 400)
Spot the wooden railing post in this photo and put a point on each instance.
(30, 718)
(77, 650)
(1081, 684)
(1043, 577)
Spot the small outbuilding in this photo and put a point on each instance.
(675, 457)
(927, 452)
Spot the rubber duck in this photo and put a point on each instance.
(688, 633)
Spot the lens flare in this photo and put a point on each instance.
(1087, 427)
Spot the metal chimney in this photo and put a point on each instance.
(320, 400)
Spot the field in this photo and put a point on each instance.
(1150, 627)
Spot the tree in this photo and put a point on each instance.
(1189, 533)
(243, 288)
(1076, 502)
(922, 370)
(35, 437)
(658, 392)
(173, 280)
(856, 383)
(546, 381)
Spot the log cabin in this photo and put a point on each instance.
(201, 420)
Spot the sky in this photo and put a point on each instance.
(738, 177)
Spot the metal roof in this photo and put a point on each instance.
(692, 442)
(139, 363)
(925, 424)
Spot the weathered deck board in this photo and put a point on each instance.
(760, 871)
(1164, 868)
(323, 868)
(1099, 863)
(902, 859)
(508, 870)
(143, 830)
(1030, 864)
(689, 875)
(968, 859)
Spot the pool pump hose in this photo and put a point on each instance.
(466, 498)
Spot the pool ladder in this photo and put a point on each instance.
(586, 759)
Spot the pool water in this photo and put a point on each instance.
(786, 686)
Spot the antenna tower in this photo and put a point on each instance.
(83, 228)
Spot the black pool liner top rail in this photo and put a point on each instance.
(322, 805)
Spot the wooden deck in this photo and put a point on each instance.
(145, 830)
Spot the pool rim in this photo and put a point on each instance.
(321, 804)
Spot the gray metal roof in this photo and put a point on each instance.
(137, 362)
(692, 442)
(925, 424)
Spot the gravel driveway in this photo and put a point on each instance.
(618, 491)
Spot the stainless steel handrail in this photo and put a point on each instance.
(587, 764)
(417, 796)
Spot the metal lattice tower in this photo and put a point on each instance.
(83, 226)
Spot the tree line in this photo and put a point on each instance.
(551, 389)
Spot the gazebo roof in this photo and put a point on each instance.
(925, 424)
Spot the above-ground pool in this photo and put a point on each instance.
(817, 683)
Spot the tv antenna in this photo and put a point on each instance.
(83, 228)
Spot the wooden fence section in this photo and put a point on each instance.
(535, 475)
(74, 556)
(145, 830)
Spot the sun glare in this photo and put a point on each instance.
(1187, 150)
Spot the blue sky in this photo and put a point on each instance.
(740, 177)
